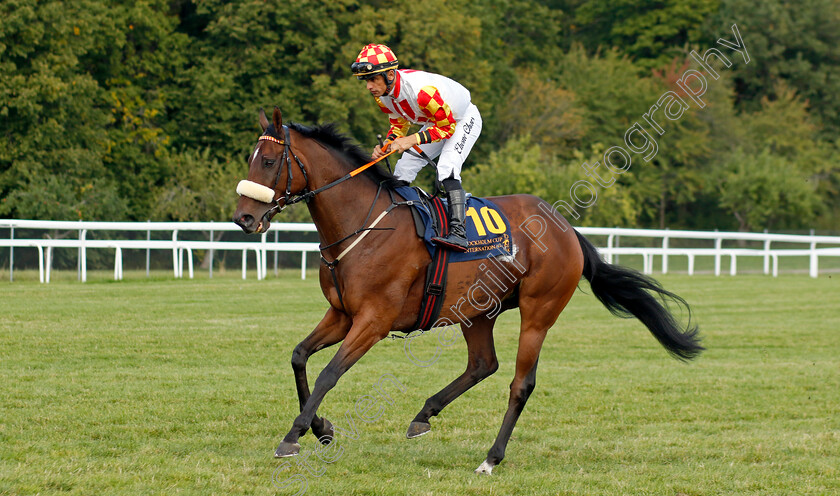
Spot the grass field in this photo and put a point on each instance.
(184, 387)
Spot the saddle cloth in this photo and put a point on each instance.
(488, 230)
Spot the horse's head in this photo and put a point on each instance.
(271, 183)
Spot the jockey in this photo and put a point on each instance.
(450, 125)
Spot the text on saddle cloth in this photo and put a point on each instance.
(488, 230)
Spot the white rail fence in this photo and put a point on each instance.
(813, 247)
(770, 255)
(179, 247)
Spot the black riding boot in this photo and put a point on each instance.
(457, 238)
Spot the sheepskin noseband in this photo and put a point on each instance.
(255, 191)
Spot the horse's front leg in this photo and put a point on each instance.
(332, 329)
(363, 334)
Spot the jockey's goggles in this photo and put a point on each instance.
(366, 70)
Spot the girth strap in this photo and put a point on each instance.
(435, 289)
(364, 232)
(331, 266)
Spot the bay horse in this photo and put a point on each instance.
(378, 285)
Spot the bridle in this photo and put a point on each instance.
(257, 191)
(263, 194)
(288, 198)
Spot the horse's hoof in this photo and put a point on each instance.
(287, 449)
(327, 434)
(417, 429)
(485, 468)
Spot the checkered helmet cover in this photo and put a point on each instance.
(373, 59)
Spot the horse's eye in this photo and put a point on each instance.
(268, 162)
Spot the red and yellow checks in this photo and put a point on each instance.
(376, 54)
(431, 100)
(434, 110)
(399, 125)
(438, 112)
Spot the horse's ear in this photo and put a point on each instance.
(277, 118)
(263, 120)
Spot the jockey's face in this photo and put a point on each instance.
(376, 86)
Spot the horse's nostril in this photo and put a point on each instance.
(245, 220)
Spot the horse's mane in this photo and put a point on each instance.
(329, 136)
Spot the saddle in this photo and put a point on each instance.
(488, 234)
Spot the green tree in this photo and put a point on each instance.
(114, 110)
(793, 42)
(780, 175)
(53, 114)
(134, 64)
(518, 166)
(200, 187)
(608, 89)
(669, 186)
(651, 33)
(765, 190)
(540, 108)
(522, 166)
(521, 33)
(84, 96)
(253, 54)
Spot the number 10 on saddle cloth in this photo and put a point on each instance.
(488, 230)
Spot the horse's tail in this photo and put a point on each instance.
(626, 292)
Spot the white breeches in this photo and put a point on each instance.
(452, 151)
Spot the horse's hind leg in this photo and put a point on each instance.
(332, 329)
(538, 312)
(520, 389)
(481, 363)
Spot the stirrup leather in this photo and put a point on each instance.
(456, 239)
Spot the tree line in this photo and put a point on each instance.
(147, 110)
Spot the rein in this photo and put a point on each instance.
(264, 194)
(288, 198)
